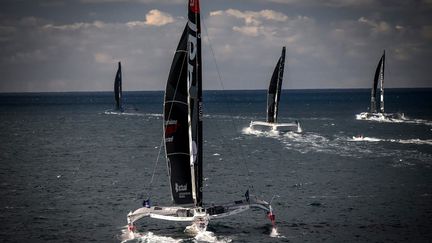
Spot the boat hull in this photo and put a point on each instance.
(275, 127)
(197, 215)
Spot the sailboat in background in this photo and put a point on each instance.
(183, 138)
(376, 109)
(118, 89)
(273, 97)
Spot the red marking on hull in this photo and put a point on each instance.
(272, 218)
(131, 228)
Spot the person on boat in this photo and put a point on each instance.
(146, 203)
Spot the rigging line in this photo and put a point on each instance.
(163, 134)
(229, 108)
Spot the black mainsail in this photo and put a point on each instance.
(118, 88)
(182, 115)
(378, 82)
(274, 90)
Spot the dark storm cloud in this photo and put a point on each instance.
(74, 45)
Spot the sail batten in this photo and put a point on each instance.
(275, 88)
(175, 101)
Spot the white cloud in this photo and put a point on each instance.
(252, 17)
(153, 18)
(248, 30)
(158, 18)
(76, 26)
(134, 1)
(37, 55)
(321, 51)
(103, 58)
(329, 3)
(255, 23)
(377, 26)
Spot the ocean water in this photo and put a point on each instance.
(71, 169)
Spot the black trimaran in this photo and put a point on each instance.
(376, 109)
(118, 89)
(184, 140)
(273, 97)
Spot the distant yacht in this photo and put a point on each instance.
(273, 97)
(118, 89)
(376, 110)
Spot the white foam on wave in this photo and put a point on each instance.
(412, 141)
(251, 131)
(353, 147)
(275, 234)
(123, 113)
(227, 117)
(307, 142)
(343, 146)
(150, 237)
(154, 114)
(364, 139)
(208, 236)
(395, 120)
(402, 141)
(132, 114)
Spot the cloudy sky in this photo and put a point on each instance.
(74, 45)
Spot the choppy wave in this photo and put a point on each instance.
(402, 141)
(364, 139)
(396, 120)
(411, 141)
(275, 233)
(118, 113)
(205, 236)
(147, 237)
(353, 147)
(251, 131)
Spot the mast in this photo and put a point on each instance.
(275, 88)
(195, 100)
(118, 88)
(382, 83)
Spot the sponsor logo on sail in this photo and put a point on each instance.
(171, 127)
(180, 188)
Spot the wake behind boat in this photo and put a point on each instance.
(376, 110)
(273, 97)
(184, 142)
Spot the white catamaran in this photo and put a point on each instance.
(273, 97)
(184, 141)
(376, 110)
